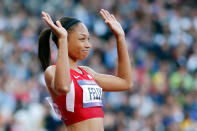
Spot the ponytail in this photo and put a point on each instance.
(44, 54)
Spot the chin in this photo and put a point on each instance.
(83, 57)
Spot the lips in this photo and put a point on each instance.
(85, 51)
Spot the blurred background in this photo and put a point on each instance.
(161, 37)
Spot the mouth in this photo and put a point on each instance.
(85, 51)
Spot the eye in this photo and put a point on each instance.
(82, 39)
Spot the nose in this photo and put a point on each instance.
(87, 44)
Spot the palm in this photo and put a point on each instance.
(57, 29)
(111, 21)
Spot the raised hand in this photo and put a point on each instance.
(57, 29)
(112, 23)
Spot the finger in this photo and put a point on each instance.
(48, 16)
(104, 17)
(47, 19)
(113, 17)
(58, 23)
(43, 14)
(108, 15)
(50, 23)
(103, 14)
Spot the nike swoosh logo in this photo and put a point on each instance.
(76, 77)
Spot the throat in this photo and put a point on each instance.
(74, 66)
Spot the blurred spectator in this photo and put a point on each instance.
(161, 38)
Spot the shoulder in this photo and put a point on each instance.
(49, 74)
(50, 70)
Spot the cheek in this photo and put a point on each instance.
(74, 49)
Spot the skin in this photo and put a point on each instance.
(75, 46)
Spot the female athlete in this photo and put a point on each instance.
(77, 90)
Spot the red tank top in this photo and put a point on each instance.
(83, 101)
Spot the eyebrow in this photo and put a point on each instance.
(84, 34)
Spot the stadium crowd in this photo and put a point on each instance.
(162, 42)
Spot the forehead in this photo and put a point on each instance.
(81, 29)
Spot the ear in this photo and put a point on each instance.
(71, 35)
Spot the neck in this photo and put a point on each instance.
(73, 63)
(74, 66)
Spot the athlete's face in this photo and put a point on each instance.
(78, 42)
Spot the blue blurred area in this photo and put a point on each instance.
(162, 42)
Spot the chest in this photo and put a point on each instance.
(87, 91)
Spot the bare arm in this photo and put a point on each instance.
(123, 78)
(58, 77)
(62, 72)
(109, 82)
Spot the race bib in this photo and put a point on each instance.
(92, 93)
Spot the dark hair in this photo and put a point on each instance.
(44, 54)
